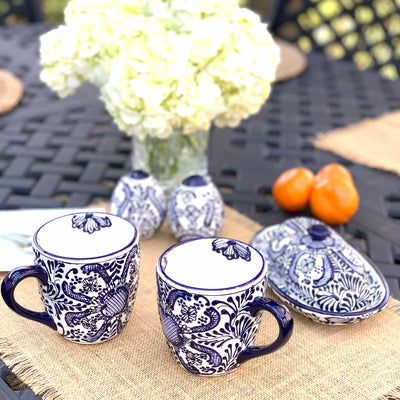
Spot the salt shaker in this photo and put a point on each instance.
(138, 198)
(195, 209)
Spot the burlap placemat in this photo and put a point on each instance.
(292, 61)
(357, 362)
(372, 142)
(11, 91)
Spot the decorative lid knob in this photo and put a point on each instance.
(138, 174)
(318, 232)
(195, 180)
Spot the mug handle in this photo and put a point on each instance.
(9, 284)
(284, 319)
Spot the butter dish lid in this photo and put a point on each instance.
(318, 273)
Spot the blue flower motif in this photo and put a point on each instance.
(188, 314)
(90, 285)
(193, 358)
(90, 222)
(231, 249)
(192, 213)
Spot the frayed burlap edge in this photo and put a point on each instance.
(394, 307)
(25, 371)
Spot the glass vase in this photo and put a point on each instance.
(172, 159)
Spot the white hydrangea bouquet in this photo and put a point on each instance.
(164, 66)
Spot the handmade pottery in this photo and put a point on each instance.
(195, 209)
(138, 198)
(210, 294)
(87, 265)
(315, 271)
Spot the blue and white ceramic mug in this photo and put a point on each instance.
(87, 265)
(211, 292)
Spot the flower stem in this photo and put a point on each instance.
(173, 159)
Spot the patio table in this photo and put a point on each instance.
(68, 153)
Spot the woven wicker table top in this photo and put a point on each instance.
(57, 153)
(68, 153)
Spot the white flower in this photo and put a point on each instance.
(162, 65)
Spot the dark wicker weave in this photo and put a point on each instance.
(67, 153)
(27, 10)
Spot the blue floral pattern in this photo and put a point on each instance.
(231, 249)
(195, 212)
(90, 302)
(325, 278)
(90, 222)
(206, 334)
(141, 202)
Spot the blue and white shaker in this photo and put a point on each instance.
(195, 209)
(139, 199)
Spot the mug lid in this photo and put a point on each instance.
(212, 264)
(85, 235)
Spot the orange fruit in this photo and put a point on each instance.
(292, 189)
(334, 200)
(334, 170)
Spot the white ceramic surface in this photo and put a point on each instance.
(84, 235)
(229, 264)
(16, 232)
